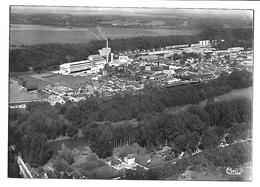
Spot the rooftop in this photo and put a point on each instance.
(96, 57)
(77, 62)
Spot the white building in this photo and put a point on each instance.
(95, 58)
(176, 46)
(104, 51)
(129, 159)
(204, 43)
(71, 67)
(235, 49)
(18, 106)
(98, 61)
(123, 59)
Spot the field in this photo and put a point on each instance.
(33, 34)
(42, 80)
(239, 93)
(78, 143)
(244, 92)
(18, 94)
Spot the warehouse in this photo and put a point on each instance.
(75, 66)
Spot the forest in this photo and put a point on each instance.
(30, 129)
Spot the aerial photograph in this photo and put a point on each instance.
(129, 93)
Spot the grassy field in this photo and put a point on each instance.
(42, 80)
(18, 94)
(78, 143)
(244, 92)
(239, 93)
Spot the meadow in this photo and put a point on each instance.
(18, 94)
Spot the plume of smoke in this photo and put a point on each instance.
(101, 33)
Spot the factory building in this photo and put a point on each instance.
(235, 49)
(104, 51)
(97, 60)
(72, 67)
(93, 64)
(204, 43)
(177, 46)
(123, 59)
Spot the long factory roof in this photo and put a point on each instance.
(77, 62)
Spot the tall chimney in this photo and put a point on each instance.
(112, 57)
(107, 50)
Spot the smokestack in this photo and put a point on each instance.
(112, 57)
(107, 50)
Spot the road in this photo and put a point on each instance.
(23, 168)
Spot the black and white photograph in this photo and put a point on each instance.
(130, 93)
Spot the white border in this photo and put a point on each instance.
(117, 3)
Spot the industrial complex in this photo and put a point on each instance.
(106, 73)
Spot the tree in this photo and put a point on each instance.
(243, 109)
(66, 154)
(219, 131)
(61, 165)
(181, 143)
(13, 168)
(101, 140)
(201, 113)
(35, 149)
(152, 174)
(209, 139)
(194, 139)
(213, 110)
(240, 79)
(75, 115)
(226, 114)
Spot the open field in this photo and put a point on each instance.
(65, 80)
(36, 34)
(42, 80)
(244, 92)
(18, 94)
(79, 143)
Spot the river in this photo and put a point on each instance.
(22, 34)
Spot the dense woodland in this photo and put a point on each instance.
(30, 129)
(49, 56)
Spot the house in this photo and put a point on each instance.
(129, 159)
(168, 71)
(115, 162)
(52, 99)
